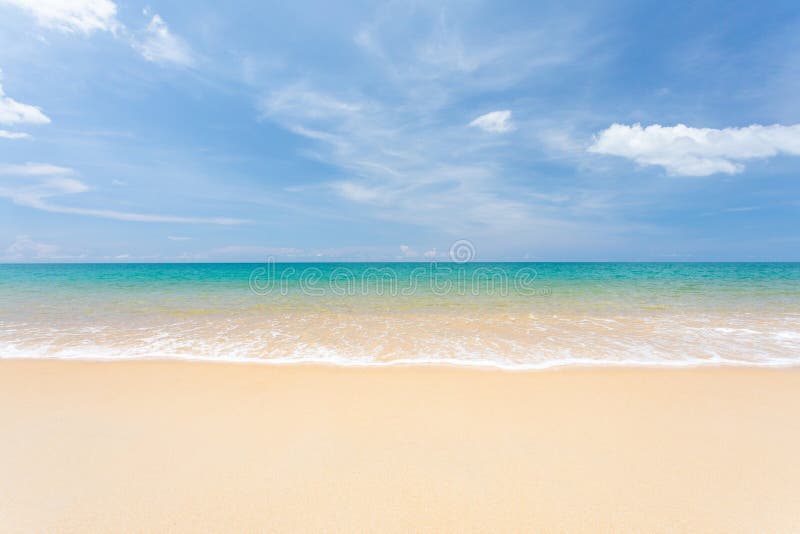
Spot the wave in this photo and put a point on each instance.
(345, 360)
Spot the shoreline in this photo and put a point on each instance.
(191, 446)
(481, 365)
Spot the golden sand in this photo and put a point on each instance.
(172, 446)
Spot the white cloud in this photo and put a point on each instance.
(395, 151)
(33, 169)
(72, 16)
(159, 45)
(251, 251)
(408, 252)
(13, 112)
(5, 134)
(445, 50)
(155, 42)
(178, 238)
(34, 184)
(686, 151)
(430, 46)
(302, 102)
(133, 217)
(741, 209)
(494, 122)
(24, 247)
(357, 192)
(404, 167)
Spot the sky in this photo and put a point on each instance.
(544, 131)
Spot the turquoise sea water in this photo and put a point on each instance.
(510, 315)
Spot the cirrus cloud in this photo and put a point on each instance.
(34, 184)
(5, 134)
(685, 151)
(34, 169)
(159, 45)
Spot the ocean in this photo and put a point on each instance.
(513, 316)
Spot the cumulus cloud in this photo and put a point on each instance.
(71, 16)
(13, 112)
(686, 151)
(494, 122)
(34, 185)
(159, 45)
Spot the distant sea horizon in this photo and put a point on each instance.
(355, 260)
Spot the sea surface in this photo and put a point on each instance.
(506, 315)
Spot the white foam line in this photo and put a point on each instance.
(432, 362)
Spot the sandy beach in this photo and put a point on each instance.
(180, 446)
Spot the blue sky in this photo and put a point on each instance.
(193, 131)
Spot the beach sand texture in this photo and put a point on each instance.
(187, 446)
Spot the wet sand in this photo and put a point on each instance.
(185, 446)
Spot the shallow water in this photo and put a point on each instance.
(509, 315)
